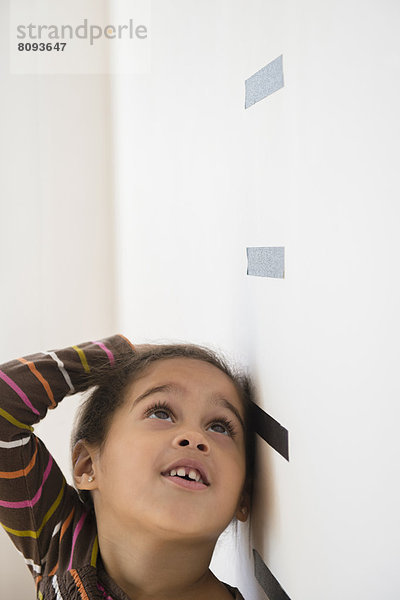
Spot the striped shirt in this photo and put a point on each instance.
(42, 514)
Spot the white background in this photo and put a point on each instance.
(129, 204)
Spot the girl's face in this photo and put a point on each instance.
(199, 417)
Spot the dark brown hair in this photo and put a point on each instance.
(96, 413)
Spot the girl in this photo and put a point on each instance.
(162, 456)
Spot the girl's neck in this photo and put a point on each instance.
(154, 569)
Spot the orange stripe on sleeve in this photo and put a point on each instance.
(54, 570)
(42, 380)
(22, 472)
(66, 523)
(64, 528)
(126, 339)
(79, 584)
(38, 579)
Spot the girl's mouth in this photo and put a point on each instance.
(192, 476)
(189, 484)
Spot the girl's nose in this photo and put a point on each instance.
(192, 439)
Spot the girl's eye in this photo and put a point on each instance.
(157, 413)
(162, 411)
(226, 426)
(157, 409)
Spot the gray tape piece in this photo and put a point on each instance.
(266, 81)
(266, 262)
(269, 584)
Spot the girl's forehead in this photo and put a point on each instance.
(184, 375)
(192, 370)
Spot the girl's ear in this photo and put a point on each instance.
(244, 506)
(83, 470)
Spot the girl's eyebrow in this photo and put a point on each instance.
(215, 399)
(154, 390)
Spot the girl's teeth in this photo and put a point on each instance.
(181, 472)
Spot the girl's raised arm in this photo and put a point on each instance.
(36, 505)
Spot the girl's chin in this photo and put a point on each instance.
(179, 523)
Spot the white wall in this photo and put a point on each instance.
(56, 234)
(311, 168)
(198, 178)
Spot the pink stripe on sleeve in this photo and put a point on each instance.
(18, 390)
(107, 351)
(74, 537)
(25, 503)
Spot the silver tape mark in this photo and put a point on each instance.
(266, 81)
(266, 262)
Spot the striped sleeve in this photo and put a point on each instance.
(32, 488)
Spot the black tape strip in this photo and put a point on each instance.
(271, 431)
(269, 584)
